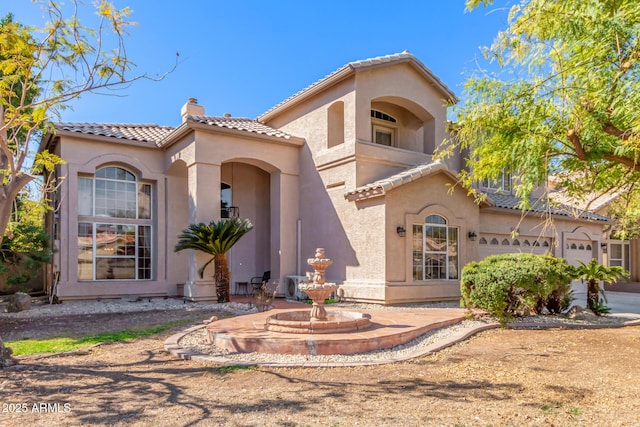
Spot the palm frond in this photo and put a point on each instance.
(213, 238)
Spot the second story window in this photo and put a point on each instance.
(501, 184)
(383, 128)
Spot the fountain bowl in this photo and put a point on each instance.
(302, 322)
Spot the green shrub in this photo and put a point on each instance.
(516, 284)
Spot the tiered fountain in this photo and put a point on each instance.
(318, 320)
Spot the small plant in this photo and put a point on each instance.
(265, 295)
(592, 274)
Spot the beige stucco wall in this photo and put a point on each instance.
(354, 235)
(84, 156)
(411, 204)
(263, 173)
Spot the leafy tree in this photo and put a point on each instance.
(592, 274)
(564, 102)
(41, 71)
(215, 238)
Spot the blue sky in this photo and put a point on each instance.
(243, 57)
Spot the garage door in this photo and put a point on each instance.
(576, 249)
(493, 244)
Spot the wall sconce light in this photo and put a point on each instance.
(472, 236)
(401, 231)
(603, 245)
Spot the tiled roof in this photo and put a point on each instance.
(239, 123)
(134, 132)
(365, 63)
(381, 186)
(507, 201)
(154, 133)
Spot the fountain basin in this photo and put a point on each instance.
(302, 322)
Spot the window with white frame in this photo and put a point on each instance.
(435, 250)
(114, 226)
(619, 254)
(501, 184)
(383, 128)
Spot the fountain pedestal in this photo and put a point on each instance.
(318, 321)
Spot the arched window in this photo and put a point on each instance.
(383, 128)
(435, 250)
(545, 244)
(482, 241)
(505, 242)
(114, 226)
(526, 243)
(589, 248)
(516, 242)
(494, 241)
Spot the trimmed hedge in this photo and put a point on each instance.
(517, 284)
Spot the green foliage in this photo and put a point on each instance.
(516, 284)
(563, 103)
(215, 238)
(26, 245)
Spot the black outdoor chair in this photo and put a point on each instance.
(258, 281)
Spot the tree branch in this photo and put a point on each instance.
(573, 137)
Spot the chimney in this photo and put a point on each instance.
(191, 108)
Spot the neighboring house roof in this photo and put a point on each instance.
(350, 68)
(239, 123)
(592, 201)
(540, 205)
(134, 132)
(382, 186)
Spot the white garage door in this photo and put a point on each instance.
(575, 249)
(493, 244)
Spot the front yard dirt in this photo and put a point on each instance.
(497, 378)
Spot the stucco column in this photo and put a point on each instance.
(284, 219)
(204, 206)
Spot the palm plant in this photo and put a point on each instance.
(215, 238)
(594, 273)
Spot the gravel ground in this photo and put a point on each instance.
(44, 309)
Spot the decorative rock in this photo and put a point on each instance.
(211, 320)
(19, 302)
(578, 313)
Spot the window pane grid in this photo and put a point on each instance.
(112, 251)
(435, 250)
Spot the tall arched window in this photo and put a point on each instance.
(114, 226)
(435, 250)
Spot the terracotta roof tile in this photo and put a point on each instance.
(134, 132)
(381, 186)
(239, 123)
